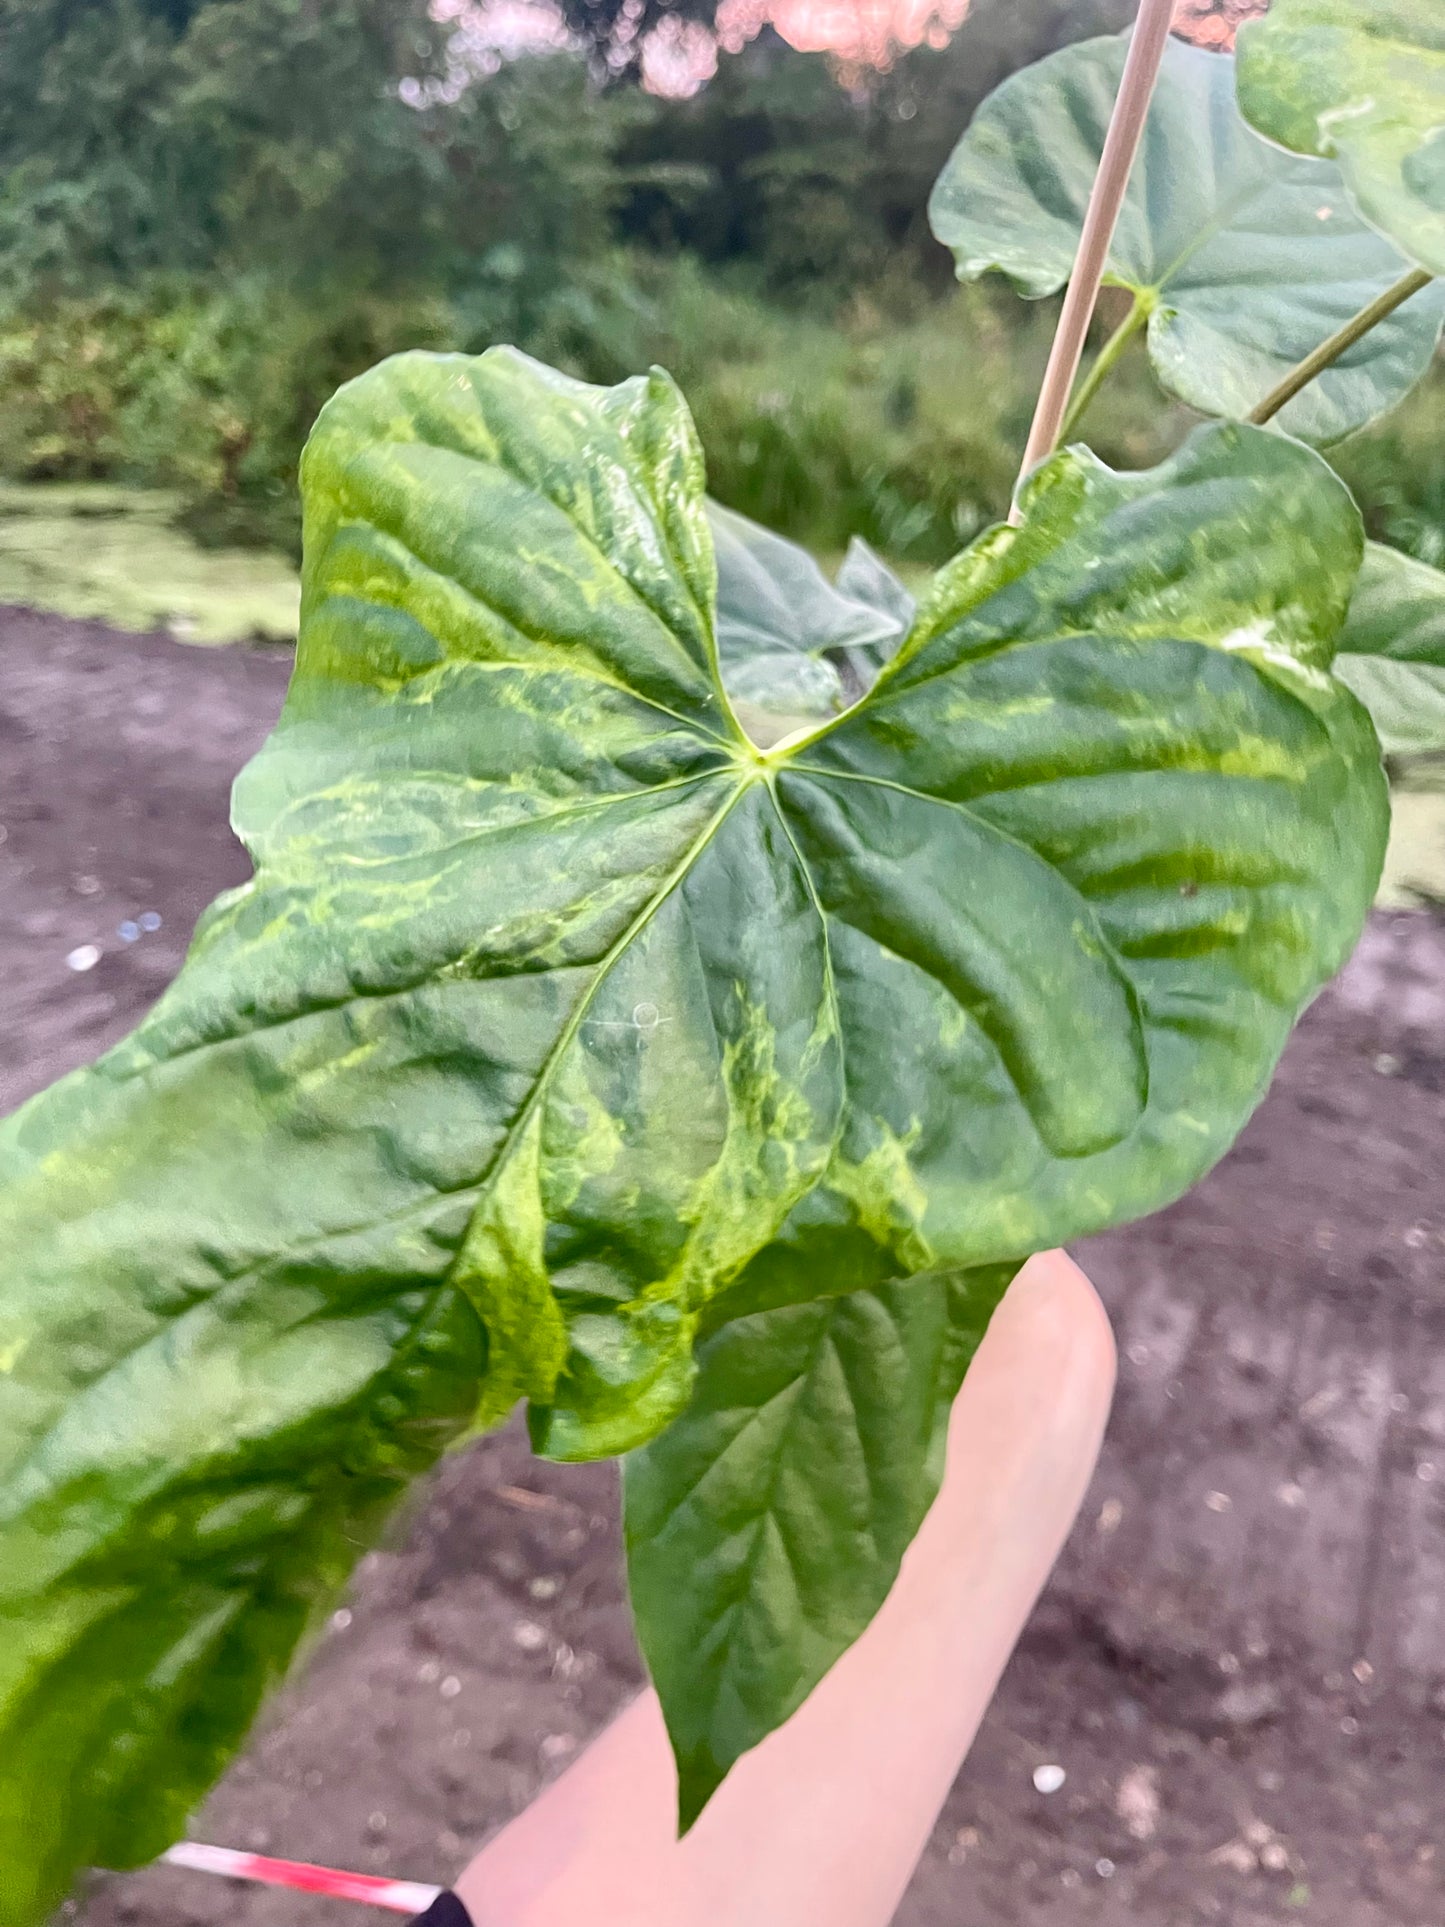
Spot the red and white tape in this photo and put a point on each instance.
(400, 1896)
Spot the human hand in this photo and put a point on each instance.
(825, 1821)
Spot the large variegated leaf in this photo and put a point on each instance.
(765, 1527)
(1392, 650)
(1245, 257)
(558, 1014)
(1364, 82)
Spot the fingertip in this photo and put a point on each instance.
(1062, 1295)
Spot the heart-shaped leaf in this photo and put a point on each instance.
(558, 1014)
(1245, 257)
(765, 1527)
(1364, 82)
(1392, 650)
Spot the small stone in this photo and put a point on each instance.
(1425, 1472)
(1218, 1501)
(85, 956)
(1292, 1496)
(1249, 1703)
(1274, 1857)
(1105, 1868)
(341, 1619)
(557, 1746)
(1237, 1856)
(530, 1637)
(1349, 1726)
(429, 1672)
(128, 931)
(1387, 1065)
(1049, 1778)
(1137, 1802)
(450, 1687)
(1363, 1671)
(1138, 1354)
(1111, 1516)
(376, 1822)
(149, 921)
(1228, 1664)
(544, 1587)
(1071, 1878)
(85, 886)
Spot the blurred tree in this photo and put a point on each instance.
(161, 134)
(823, 186)
(1214, 23)
(613, 33)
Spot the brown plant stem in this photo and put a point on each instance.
(1340, 343)
(1126, 127)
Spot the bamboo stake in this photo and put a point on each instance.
(1126, 128)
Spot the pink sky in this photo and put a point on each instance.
(682, 55)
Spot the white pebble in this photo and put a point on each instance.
(1048, 1779)
(450, 1687)
(84, 957)
(530, 1638)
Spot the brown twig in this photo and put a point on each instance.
(1340, 343)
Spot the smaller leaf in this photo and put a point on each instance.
(1244, 257)
(766, 1525)
(1392, 650)
(780, 621)
(1365, 85)
(867, 578)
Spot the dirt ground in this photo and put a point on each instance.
(1240, 1663)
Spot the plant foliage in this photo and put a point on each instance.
(1365, 84)
(1242, 257)
(1392, 650)
(558, 1018)
(677, 991)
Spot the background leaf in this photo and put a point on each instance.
(557, 1018)
(1392, 650)
(1364, 83)
(1248, 257)
(792, 646)
(766, 1525)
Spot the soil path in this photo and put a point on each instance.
(1241, 1660)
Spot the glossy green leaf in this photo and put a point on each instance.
(766, 1525)
(1246, 257)
(1364, 82)
(558, 1015)
(1392, 650)
(794, 647)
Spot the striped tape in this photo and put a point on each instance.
(400, 1896)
